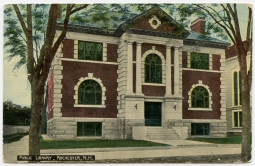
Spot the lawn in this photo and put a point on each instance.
(227, 140)
(13, 138)
(95, 143)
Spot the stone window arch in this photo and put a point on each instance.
(89, 92)
(163, 64)
(200, 97)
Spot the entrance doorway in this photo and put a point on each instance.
(152, 113)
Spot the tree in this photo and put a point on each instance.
(14, 114)
(31, 35)
(38, 60)
(224, 19)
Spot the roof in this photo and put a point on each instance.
(189, 37)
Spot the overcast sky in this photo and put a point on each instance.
(16, 86)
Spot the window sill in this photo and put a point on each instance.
(90, 106)
(154, 84)
(200, 109)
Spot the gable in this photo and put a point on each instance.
(154, 23)
(154, 20)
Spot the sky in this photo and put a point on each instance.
(15, 84)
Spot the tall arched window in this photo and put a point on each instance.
(90, 93)
(200, 97)
(153, 69)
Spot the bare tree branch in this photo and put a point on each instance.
(229, 19)
(249, 25)
(219, 17)
(208, 12)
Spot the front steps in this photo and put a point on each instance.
(159, 133)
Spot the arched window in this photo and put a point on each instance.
(200, 97)
(153, 69)
(90, 93)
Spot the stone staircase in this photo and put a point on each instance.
(159, 133)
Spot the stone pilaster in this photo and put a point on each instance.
(138, 68)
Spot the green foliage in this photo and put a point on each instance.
(13, 138)
(95, 143)
(15, 43)
(15, 114)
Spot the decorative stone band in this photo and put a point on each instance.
(210, 96)
(223, 88)
(99, 81)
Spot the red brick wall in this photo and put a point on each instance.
(50, 95)
(134, 77)
(230, 52)
(68, 48)
(112, 54)
(72, 72)
(199, 26)
(212, 80)
(134, 52)
(172, 55)
(216, 62)
(184, 59)
(149, 90)
(172, 75)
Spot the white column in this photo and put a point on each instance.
(168, 71)
(176, 71)
(130, 69)
(138, 69)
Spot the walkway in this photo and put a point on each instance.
(178, 148)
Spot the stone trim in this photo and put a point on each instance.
(154, 18)
(90, 77)
(154, 51)
(213, 71)
(223, 88)
(153, 84)
(57, 87)
(90, 106)
(89, 61)
(210, 95)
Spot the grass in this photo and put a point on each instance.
(227, 140)
(95, 143)
(13, 138)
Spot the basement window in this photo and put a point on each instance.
(200, 128)
(89, 129)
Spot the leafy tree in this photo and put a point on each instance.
(31, 35)
(223, 20)
(14, 114)
(36, 22)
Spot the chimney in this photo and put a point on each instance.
(198, 25)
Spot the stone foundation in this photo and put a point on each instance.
(66, 128)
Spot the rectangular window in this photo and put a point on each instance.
(199, 61)
(89, 129)
(200, 128)
(237, 119)
(90, 51)
(237, 88)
